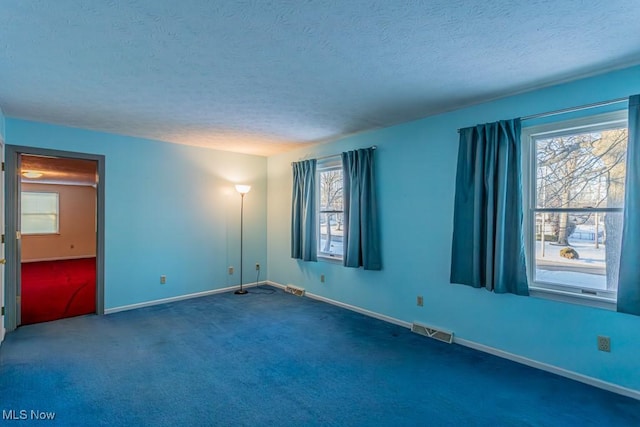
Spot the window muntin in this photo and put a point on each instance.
(330, 211)
(575, 203)
(39, 212)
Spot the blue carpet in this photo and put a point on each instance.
(276, 360)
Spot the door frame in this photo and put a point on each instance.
(12, 247)
(3, 297)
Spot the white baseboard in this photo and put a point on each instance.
(615, 388)
(179, 298)
(635, 394)
(350, 307)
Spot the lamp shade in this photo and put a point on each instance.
(243, 189)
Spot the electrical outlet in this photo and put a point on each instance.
(322, 278)
(420, 301)
(230, 270)
(163, 279)
(257, 266)
(604, 343)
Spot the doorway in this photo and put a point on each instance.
(55, 235)
(58, 229)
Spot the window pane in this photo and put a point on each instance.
(331, 233)
(330, 217)
(581, 170)
(39, 202)
(578, 249)
(39, 212)
(39, 224)
(331, 190)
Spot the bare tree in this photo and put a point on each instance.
(612, 149)
(571, 170)
(330, 201)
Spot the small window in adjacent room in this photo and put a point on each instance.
(330, 212)
(574, 197)
(39, 212)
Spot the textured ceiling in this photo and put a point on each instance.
(262, 77)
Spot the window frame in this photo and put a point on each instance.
(57, 215)
(325, 165)
(573, 294)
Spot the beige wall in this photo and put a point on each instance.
(77, 225)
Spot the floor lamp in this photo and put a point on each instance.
(242, 189)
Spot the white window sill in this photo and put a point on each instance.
(330, 259)
(606, 303)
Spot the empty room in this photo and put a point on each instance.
(288, 213)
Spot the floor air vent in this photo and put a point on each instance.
(294, 290)
(434, 333)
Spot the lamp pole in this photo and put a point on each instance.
(242, 189)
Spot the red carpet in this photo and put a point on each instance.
(54, 290)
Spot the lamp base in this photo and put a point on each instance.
(241, 292)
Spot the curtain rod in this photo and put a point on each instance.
(373, 147)
(573, 109)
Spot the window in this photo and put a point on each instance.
(330, 212)
(39, 212)
(575, 184)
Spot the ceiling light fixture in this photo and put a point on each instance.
(32, 174)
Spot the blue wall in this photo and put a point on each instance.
(416, 168)
(170, 209)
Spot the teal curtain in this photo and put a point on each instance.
(629, 276)
(488, 247)
(361, 235)
(304, 244)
